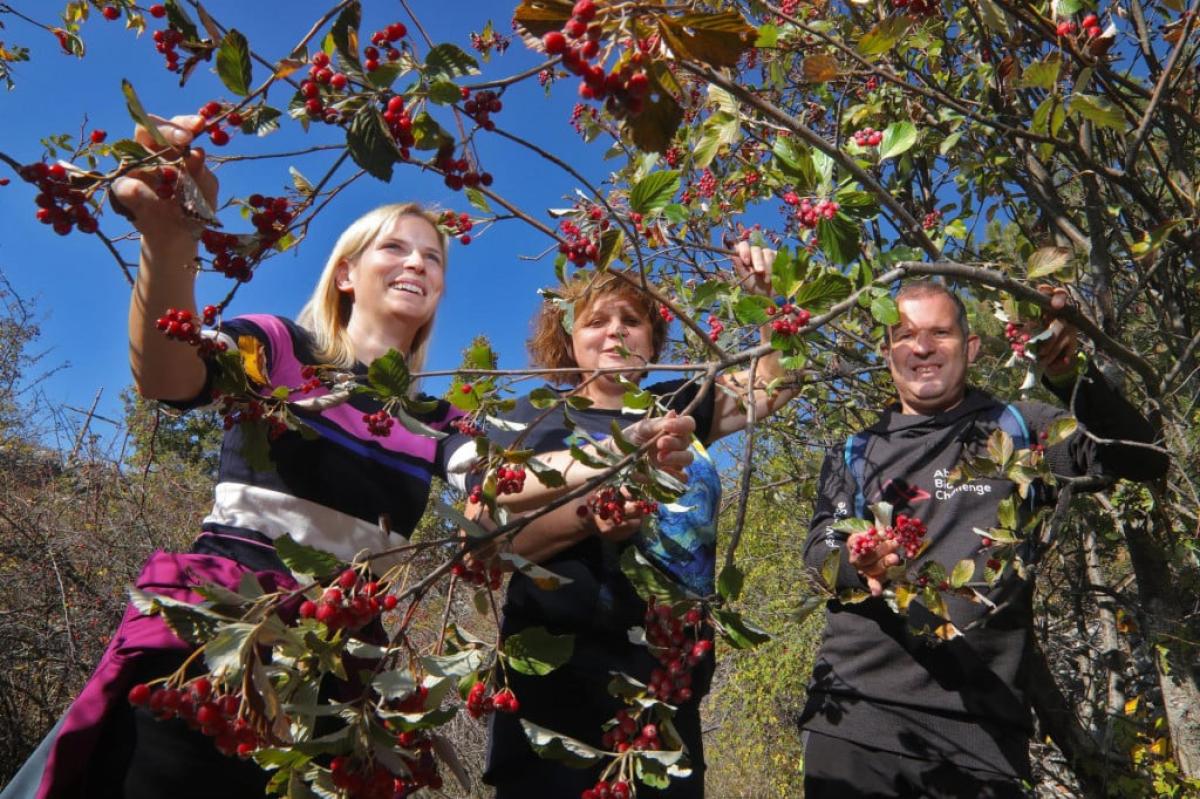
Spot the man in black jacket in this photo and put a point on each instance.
(892, 712)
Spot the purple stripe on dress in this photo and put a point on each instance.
(285, 371)
(170, 575)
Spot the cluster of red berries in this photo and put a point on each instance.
(217, 134)
(809, 214)
(608, 504)
(707, 184)
(349, 603)
(917, 8)
(676, 648)
(666, 314)
(1090, 25)
(868, 137)
(480, 703)
(59, 205)
(907, 531)
(1017, 338)
(931, 220)
(226, 260)
(578, 247)
(603, 789)
(399, 124)
(271, 218)
(458, 170)
(311, 381)
(375, 781)
(476, 572)
(467, 427)
(581, 115)
(482, 106)
(510, 480)
(790, 319)
(181, 324)
(715, 328)
(321, 74)
(165, 42)
(379, 423)
(627, 734)
(458, 225)
(578, 43)
(673, 157)
(213, 714)
(385, 38)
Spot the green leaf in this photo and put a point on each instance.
(884, 311)
(751, 309)
(882, 511)
(1060, 430)
(542, 577)
(884, 36)
(449, 61)
(427, 133)
(823, 292)
(388, 375)
(192, 623)
(898, 138)
(994, 17)
(233, 63)
(768, 35)
(225, 651)
(1098, 110)
(1041, 74)
(444, 92)
(653, 130)
(536, 651)
(857, 204)
(795, 163)
(636, 399)
(394, 684)
(839, 238)
(542, 398)
(730, 582)
(138, 112)
(1006, 513)
(554, 746)
(646, 579)
(178, 19)
(830, 568)
(740, 633)
(478, 201)
(457, 519)
(345, 34)
(808, 606)
(717, 39)
(456, 665)
(303, 559)
(369, 144)
(654, 191)
(546, 475)
(964, 570)
(256, 446)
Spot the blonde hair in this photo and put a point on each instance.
(327, 312)
(550, 344)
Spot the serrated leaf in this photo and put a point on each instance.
(819, 68)
(653, 130)
(730, 582)
(225, 651)
(536, 651)
(302, 184)
(823, 292)
(884, 36)
(369, 145)
(1060, 430)
(539, 17)
(654, 191)
(345, 34)
(444, 92)
(1046, 261)
(388, 375)
(839, 238)
(256, 446)
(190, 622)
(1000, 448)
(303, 559)
(964, 570)
(1097, 110)
(646, 579)
(546, 475)
(138, 112)
(751, 309)
(456, 665)
(554, 746)
(1041, 74)
(233, 63)
(178, 19)
(740, 633)
(884, 310)
(715, 39)
(478, 201)
(542, 577)
(898, 138)
(450, 61)
(394, 684)
(611, 243)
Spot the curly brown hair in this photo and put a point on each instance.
(550, 344)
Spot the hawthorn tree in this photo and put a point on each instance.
(997, 144)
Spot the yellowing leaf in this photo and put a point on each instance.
(254, 359)
(946, 632)
(1131, 705)
(819, 68)
(1158, 748)
(1047, 261)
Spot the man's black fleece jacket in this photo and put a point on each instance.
(964, 700)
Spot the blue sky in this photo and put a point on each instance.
(79, 290)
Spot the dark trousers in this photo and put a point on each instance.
(838, 769)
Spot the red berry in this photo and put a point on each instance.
(158, 11)
(110, 12)
(1090, 21)
(584, 10)
(218, 136)
(554, 42)
(98, 136)
(139, 694)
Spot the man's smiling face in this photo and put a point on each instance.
(928, 354)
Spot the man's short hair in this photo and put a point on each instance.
(925, 287)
